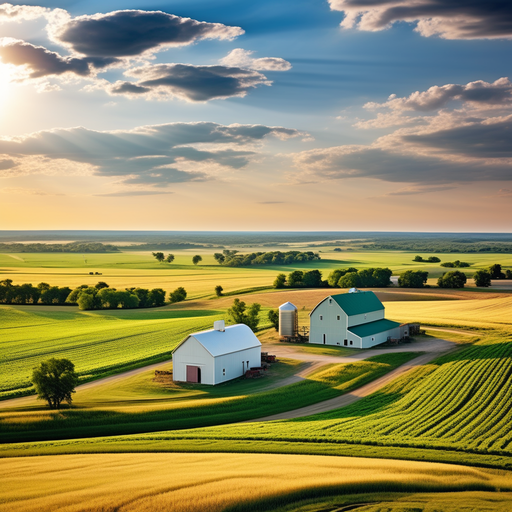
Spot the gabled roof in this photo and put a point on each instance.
(373, 328)
(358, 303)
(233, 339)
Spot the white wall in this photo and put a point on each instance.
(333, 328)
(381, 337)
(192, 353)
(232, 363)
(365, 318)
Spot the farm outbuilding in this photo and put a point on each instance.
(216, 355)
(354, 319)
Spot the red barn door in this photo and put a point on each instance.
(193, 374)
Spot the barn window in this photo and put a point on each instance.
(321, 317)
(365, 317)
(223, 372)
(338, 317)
(373, 339)
(351, 342)
(330, 301)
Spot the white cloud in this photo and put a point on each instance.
(242, 59)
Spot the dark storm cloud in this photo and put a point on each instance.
(192, 83)
(40, 61)
(148, 154)
(369, 162)
(133, 32)
(7, 164)
(450, 19)
(490, 139)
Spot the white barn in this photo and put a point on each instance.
(352, 320)
(217, 355)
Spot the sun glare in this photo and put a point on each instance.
(5, 83)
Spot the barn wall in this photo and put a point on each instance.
(381, 337)
(365, 318)
(333, 328)
(232, 363)
(191, 352)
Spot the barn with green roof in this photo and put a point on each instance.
(354, 319)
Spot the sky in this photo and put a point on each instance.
(335, 115)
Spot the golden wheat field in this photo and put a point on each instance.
(186, 482)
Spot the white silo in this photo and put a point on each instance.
(288, 320)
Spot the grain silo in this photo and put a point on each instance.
(288, 320)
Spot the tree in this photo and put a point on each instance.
(109, 298)
(170, 258)
(482, 278)
(295, 278)
(433, 259)
(508, 274)
(273, 316)
(178, 295)
(454, 279)
(73, 296)
(412, 279)
(382, 277)
(88, 299)
(218, 290)
(312, 279)
(280, 281)
(350, 280)
(196, 259)
(101, 284)
(55, 381)
(496, 272)
(417, 258)
(219, 258)
(159, 256)
(250, 318)
(157, 297)
(50, 295)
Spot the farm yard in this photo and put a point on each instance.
(455, 408)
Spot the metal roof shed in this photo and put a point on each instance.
(216, 355)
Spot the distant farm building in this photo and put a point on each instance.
(217, 355)
(354, 319)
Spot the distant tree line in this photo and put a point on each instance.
(80, 247)
(446, 246)
(43, 293)
(455, 264)
(100, 296)
(339, 278)
(232, 258)
(430, 259)
(165, 246)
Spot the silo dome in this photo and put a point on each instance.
(288, 320)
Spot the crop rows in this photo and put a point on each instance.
(96, 343)
(462, 403)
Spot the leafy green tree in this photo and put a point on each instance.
(101, 284)
(417, 258)
(55, 381)
(73, 296)
(219, 290)
(196, 259)
(312, 279)
(412, 279)
(433, 259)
(273, 316)
(448, 264)
(63, 294)
(295, 278)
(219, 258)
(170, 258)
(6, 291)
(382, 277)
(109, 298)
(157, 297)
(482, 278)
(50, 295)
(280, 281)
(496, 272)
(127, 300)
(453, 279)
(178, 295)
(243, 315)
(159, 256)
(508, 274)
(335, 276)
(43, 287)
(350, 280)
(88, 299)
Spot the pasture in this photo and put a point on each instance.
(250, 482)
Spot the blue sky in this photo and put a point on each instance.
(156, 129)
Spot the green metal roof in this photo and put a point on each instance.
(358, 303)
(373, 327)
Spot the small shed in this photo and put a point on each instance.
(216, 355)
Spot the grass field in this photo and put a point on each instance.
(98, 342)
(140, 405)
(248, 482)
(127, 269)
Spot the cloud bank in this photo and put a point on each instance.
(145, 156)
(449, 19)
